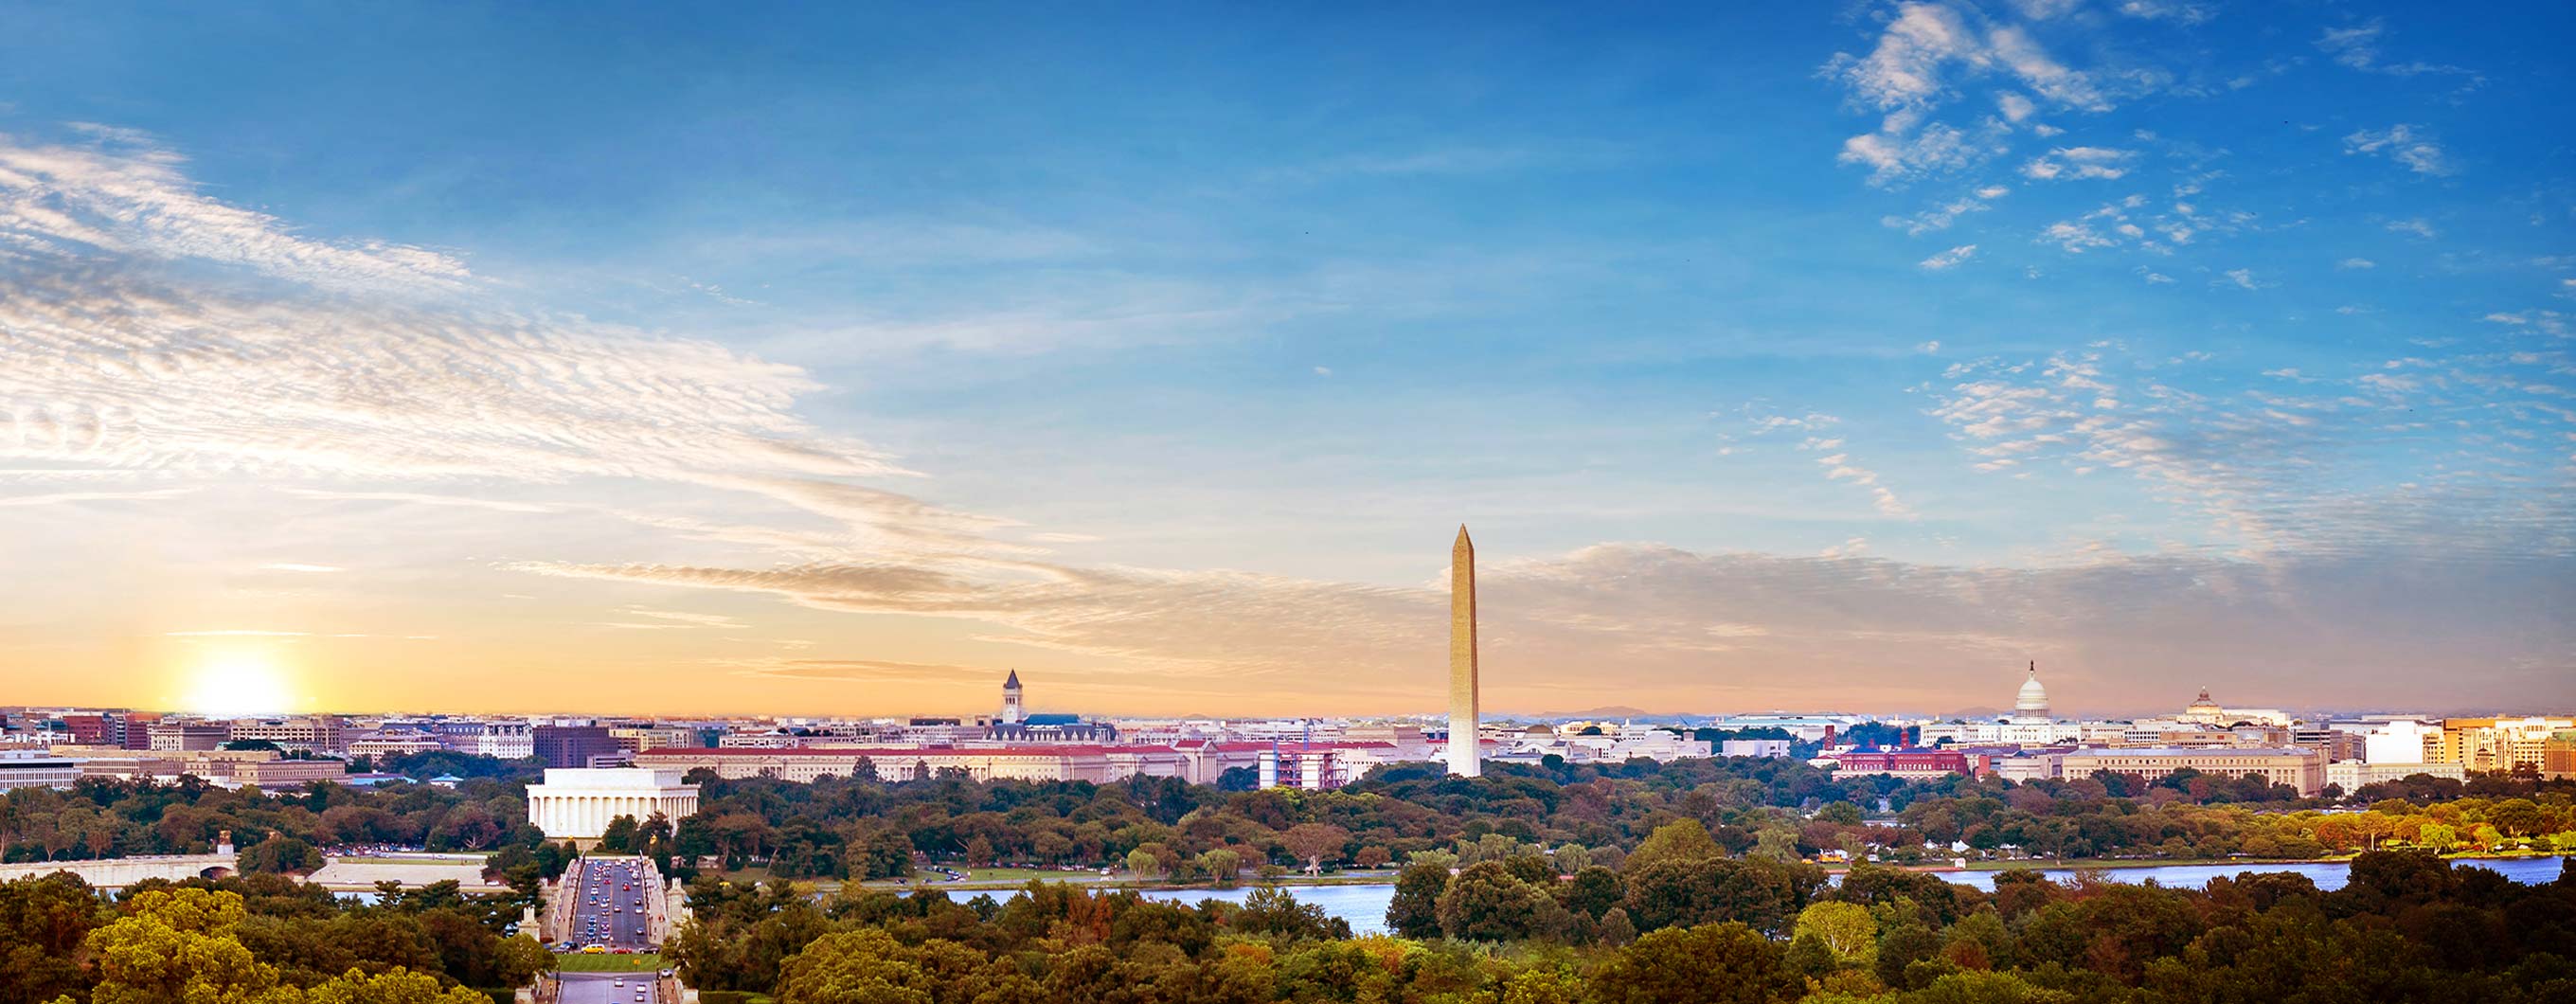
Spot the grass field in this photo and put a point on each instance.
(575, 962)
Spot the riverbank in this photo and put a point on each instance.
(2251, 864)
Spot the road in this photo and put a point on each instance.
(605, 988)
(610, 910)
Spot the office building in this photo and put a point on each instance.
(2302, 769)
(571, 745)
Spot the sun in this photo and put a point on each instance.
(238, 684)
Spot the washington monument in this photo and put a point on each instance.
(1462, 656)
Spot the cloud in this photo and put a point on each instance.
(2260, 476)
(2353, 263)
(1637, 616)
(2358, 47)
(2074, 237)
(856, 671)
(133, 203)
(1950, 258)
(2401, 143)
(1839, 467)
(682, 618)
(298, 566)
(2074, 162)
(2416, 226)
(1900, 152)
(156, 331)
(1928, 348)
(2169, 10)
(2241, 278)
(236, 633)
(72, 497)
(1914, 67)
(1941, 216)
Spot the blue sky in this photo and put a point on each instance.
(1892, 344)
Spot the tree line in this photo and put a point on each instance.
(1162, 829)
(258, 939)
(1678, 922)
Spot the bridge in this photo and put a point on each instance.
(121, 872)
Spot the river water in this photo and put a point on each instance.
(1364, 906)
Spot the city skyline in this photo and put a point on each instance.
(1787, 359)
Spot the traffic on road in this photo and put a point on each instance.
(609, 914)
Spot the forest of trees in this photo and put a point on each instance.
(841, 828)
(1679, 922)
(99, 818)
(260, 939)
(1628, 883)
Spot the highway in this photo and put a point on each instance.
(610, 910)
(606, 988)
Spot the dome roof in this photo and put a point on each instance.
(2033, 699)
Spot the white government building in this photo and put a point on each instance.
(577, 803)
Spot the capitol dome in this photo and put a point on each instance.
(2032, 702)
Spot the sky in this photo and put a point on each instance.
(661, 359)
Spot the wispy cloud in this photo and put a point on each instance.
(2358, 46)
(2074, 162)
(2404, 145)
(1950, 258)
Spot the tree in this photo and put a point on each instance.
(1486, 902)
(2519, 817)
(279, 855)
(1615, 929)
(1414, 911)
(1143, 864)
(42, 923)
(1272, 911)
(1709, 964)
(886, 854)
(397, 986)
(1846, 928)
(1223, 867)
(1682, 893)
(865, 966)
(1683, 840)
(620, 836)
(1592, 892)
(1313, 842)
(1840, 813)
(176, 944)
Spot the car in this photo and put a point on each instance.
(594, 949)
(617, 983)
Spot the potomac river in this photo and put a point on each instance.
(1364, 906)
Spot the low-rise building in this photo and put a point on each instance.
(2302, 769)
(36, 768)
(1910, 763)
(314, 734)
(579, 803)
(2351, 775)
(183, 737)
(1765, 748)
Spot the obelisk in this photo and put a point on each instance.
(1462, 657)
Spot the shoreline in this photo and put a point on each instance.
(2107, 864)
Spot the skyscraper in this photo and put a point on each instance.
(1462, 657)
